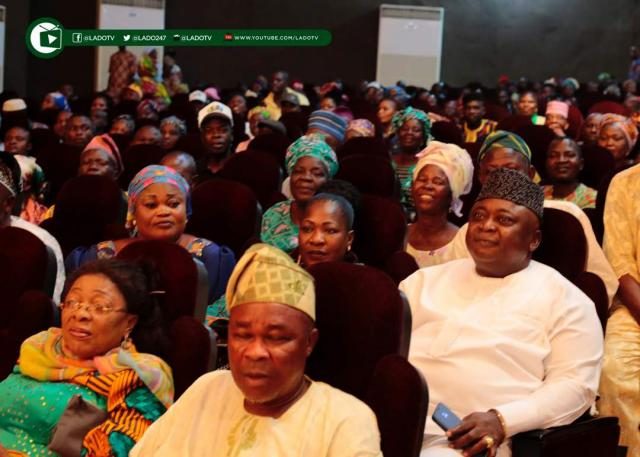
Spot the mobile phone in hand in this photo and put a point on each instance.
(446, 419)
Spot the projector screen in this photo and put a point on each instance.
(409, 44)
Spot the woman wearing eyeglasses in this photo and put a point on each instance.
(110, 319)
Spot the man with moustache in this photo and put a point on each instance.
(507, 343)
(265, 405)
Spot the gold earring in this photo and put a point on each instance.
(126, 344)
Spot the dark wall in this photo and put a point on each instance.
(73, 65)
(14, 48)
(482, 38)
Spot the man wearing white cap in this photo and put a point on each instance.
(265, 406)
(198, 99)
(216, 134)
(557, 117)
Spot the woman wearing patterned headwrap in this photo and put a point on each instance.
(255, 115)
(412, 128)
(359, 128)
(310, 163)
(618, 135)
(443, 174)
(158, 208)
(55, 100)
(172, 129)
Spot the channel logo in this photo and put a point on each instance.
(44, 37)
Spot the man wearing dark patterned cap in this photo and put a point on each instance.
(507, 343)
(503, 149)
(265, 405)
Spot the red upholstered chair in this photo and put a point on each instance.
(598, 163)
(538, 138)
(564, 245)
(295, 123)
(259, 171)
(446, 132)
(361, 316)
(273, 143)
(89, 209)
(363, 146)
(370, 174)
(59, 163)
(593, 286)
(607, 106)
(399, 397)
(136, 157)
(575, 122)
(192, 352)
(25, 263)
(473, 149)
(28, 271)
(225, 212)
(381, 230)
(121, 141)
(192, 144)
(496, 112)
(184, 279)
(185, 284)
(513, 122)
(42, 139)
(400, 265)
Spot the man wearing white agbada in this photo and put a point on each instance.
(265, 406)
(507, 343)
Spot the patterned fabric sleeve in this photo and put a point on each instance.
(619, 233)
(131, 407)
(278, 229)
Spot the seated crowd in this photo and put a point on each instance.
(507, 342)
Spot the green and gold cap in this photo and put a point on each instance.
(266, 274)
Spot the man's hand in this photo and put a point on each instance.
(470, 434)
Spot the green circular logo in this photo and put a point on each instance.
(44, 38)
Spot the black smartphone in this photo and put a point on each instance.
(446, 419)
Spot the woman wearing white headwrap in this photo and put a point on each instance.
(443, 174)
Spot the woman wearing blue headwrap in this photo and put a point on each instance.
(310, 163)
(158, 208)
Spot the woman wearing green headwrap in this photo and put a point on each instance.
(413, 131)
(310, 163)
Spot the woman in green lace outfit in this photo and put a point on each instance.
(108, 314)
(310, 163)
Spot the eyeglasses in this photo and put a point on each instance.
(93, 308)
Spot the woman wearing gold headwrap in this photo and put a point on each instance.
(444, 172)
(618, 135)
